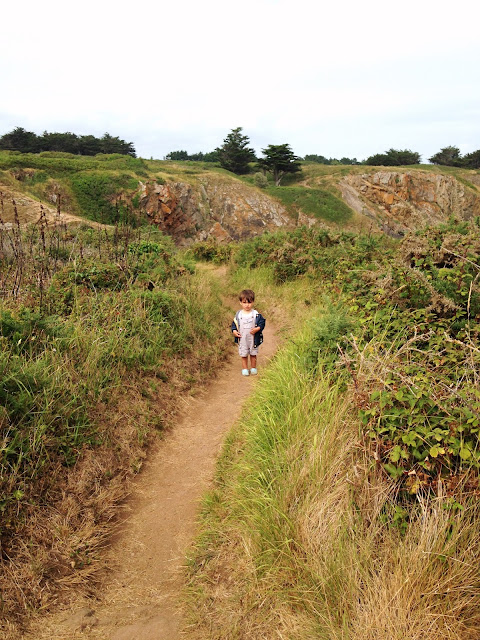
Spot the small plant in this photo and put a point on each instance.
(260, 180)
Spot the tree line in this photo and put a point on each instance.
(235, 155)
(29, 142)
(451, 157)
(212, 156)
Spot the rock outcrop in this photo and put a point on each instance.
(402, 201)
(224, 210)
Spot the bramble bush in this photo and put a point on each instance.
(420, 320)
(408, 339)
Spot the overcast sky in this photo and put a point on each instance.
(343, 78)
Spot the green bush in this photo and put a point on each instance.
(424, 413)
(211, 251)
(330, 339)
(92, 275)
(260, 180)
(293, 253)
(97, 195)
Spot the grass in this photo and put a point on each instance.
(315, 202)
(301, 536)
(100, 332)
(58, 164)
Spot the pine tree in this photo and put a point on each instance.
(234, 154)
(279, 160)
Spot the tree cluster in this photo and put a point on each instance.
(451, 157)
(394, 158)
(279, 160)
(235, 155)
(211, 156)
(28, 142)
(313, 157)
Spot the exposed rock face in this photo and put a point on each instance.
(396, 201)
(171, 207)
(213, 209)
(400, 201)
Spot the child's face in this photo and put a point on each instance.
(246, 305)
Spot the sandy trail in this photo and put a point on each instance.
(29, 211)
(141, 597)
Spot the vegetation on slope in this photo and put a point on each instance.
(109, 188)
(100, 331)
(346, 504)
(103, 188)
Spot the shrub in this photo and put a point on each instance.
(260, 180)
(211, 251)
(98, 196)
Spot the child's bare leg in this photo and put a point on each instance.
(245, 362)
(253, 362)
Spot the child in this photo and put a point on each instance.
(247, 327)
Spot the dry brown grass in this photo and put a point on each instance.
(426, 584)
(56, 551)
(298, 539)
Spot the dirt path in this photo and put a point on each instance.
(141, 598)
(30, 210)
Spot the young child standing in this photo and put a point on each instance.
(247, 327)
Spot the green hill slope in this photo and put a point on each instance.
(192, 201)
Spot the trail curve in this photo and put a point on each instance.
(140, 598)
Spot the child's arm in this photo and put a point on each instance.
(260, 324)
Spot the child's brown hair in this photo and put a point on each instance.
(246, 294)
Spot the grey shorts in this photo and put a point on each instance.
(245, 347)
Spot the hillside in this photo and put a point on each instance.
(370, 415)
(193, 201)
(345, 504)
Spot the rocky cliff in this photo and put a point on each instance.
(215, 208)
(396, 201)
(400, 201)
(194, 204)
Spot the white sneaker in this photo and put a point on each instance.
(245, 372)
(253, 372)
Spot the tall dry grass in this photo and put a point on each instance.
(303, 537)
(91, 369)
